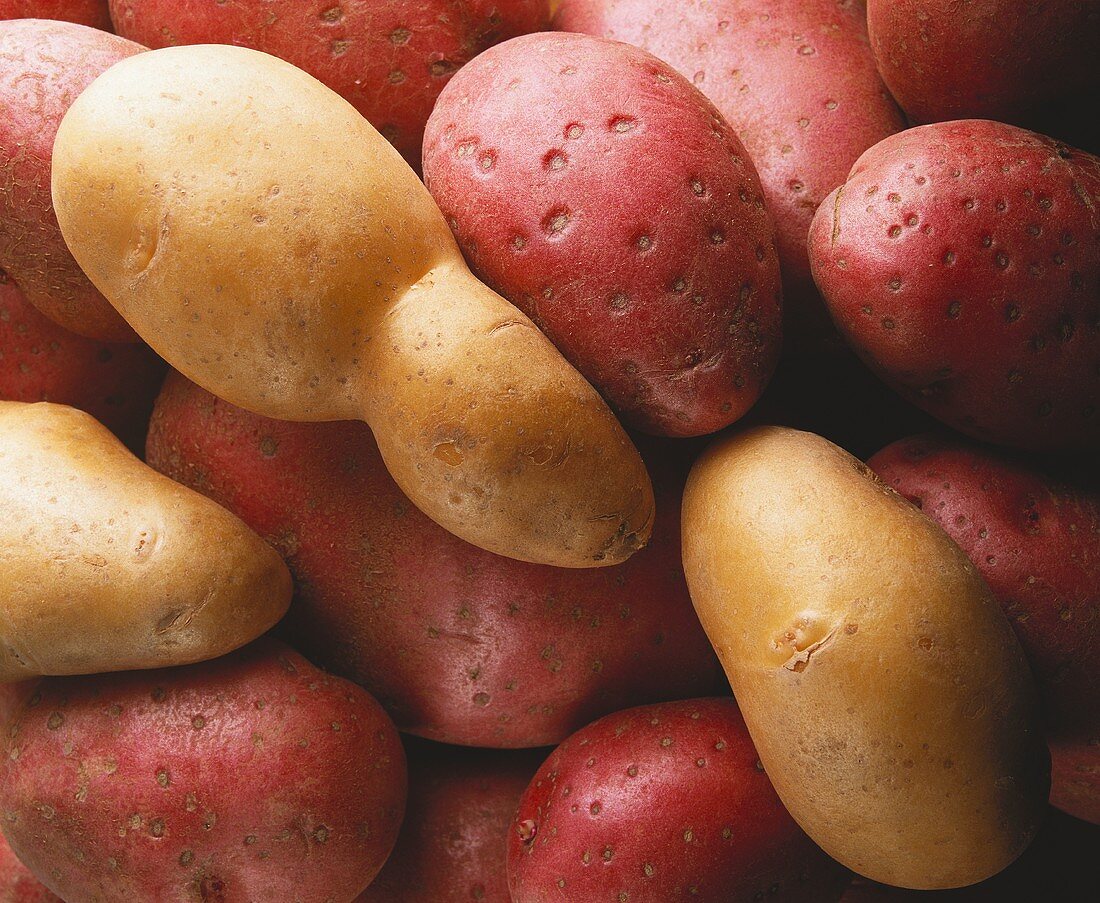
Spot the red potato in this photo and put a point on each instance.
(40, 361)
(1036, 541)
(795, 79)
(17, 882)
(251, 777)
(962, 262)
(458, 644)
(659, 803)
(92, 13)
(44, 66)
(388, 58)
(598, 191)
(453, 844)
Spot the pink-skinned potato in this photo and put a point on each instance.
(41, 361)
(797, 81)
(659, 803)
(1035, 538)
(459, 645)
(92, 13)
(453, 844)
(388, 58)
(961, 261)
(17, 882)
(251, 777)
(44, 66)
(601, 193)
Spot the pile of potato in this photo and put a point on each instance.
(416, 418)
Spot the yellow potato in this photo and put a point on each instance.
(105, 565)
(254, 229)
(885, 692)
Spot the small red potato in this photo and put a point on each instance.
(40, 361)
(44, 66)
(453, 844)
(795, 79)
(1035, 538)
(660, 803)
(962, 262)
(17, 882)
(93, 13)
(458, 644)
(254, 777)
(603, 195)
(389, 58)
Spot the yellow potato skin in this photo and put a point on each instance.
(885, 692)
(260, 234)
(105, 565)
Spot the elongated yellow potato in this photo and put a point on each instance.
(885, 692)
(105, 565)
(254, 229)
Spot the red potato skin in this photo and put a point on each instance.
(795, 79)
(17, 882)
(976, 295)
(44, 66)
(661, 803)
(92, 13)
(985, 59)
(599, 192)
(40, 361)
(252, 777)
(388, 58)
(458, 644)
(453, 844)
(1036, 541)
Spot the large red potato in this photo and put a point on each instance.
(795, 79)
(598, 191)
(17, 882)
(458, 644)
(254, 777)
(1035, 538)
(986, 59)
(659, 803)
(389, 58)
(454, 841)
(41, 361)
(962, 262)
(93, 13)
(44, 66)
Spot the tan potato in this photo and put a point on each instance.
(105, 565)
(885, 691)
(272, 246)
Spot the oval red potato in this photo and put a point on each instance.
(458, 644)
(252, 777)
(962, 262)
(661, 803)
(601, 193)
(388, 58)
(795, 79)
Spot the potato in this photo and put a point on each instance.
(43, 67)
(659, 282)
(107, 565)
(17, 882)
(388, 58)
(458, 644)
(40, 361)
(262, 237)
(92, 13)
(885, 691)
(253, 778)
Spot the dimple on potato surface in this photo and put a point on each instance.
(106, 565)
(885, 691)
(961, 260)
(255, 777)
(389, 59)
(267, 241)
(43, 68)
(601, 193)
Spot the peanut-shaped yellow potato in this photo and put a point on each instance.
(884, 689)
(105, 565)
(254, 229)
